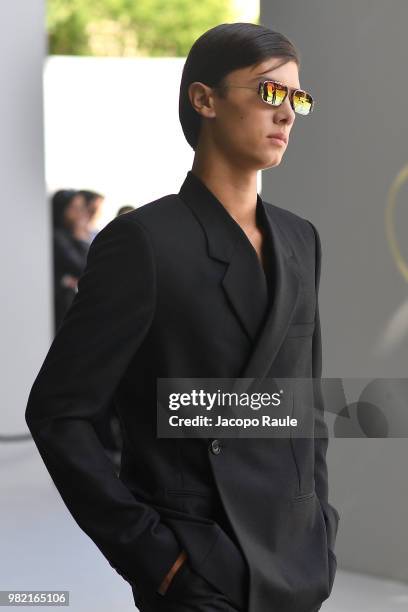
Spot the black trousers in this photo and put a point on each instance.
(187, 592)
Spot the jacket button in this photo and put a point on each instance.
(215, 447)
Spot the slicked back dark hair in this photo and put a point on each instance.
(219, 51)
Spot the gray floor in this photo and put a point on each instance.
(42, 548)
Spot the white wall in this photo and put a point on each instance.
(111, 124)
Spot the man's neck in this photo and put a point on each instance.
(234, 188)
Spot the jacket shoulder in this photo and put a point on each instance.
(145, 218)
(292, 222)
(162, 209)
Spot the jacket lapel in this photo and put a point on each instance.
(280, 313)
(244, 281)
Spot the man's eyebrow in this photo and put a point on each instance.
(267, 70)
(256, 78)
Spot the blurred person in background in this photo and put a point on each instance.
(70, 247)
(94, 206)
(125, 209)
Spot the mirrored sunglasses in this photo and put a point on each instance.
(275, 93)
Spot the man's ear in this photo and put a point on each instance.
(202, 99)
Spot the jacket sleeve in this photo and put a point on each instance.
(321, 431)
(101, 331)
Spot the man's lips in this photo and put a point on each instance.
(280, 136)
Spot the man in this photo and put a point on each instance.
(209, 282)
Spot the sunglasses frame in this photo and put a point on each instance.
(289, 91)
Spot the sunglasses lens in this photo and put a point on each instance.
(273, 93)
(302, 102)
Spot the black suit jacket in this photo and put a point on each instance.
(175, 289)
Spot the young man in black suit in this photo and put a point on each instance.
(210, 282)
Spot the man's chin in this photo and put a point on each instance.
(271, 163)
